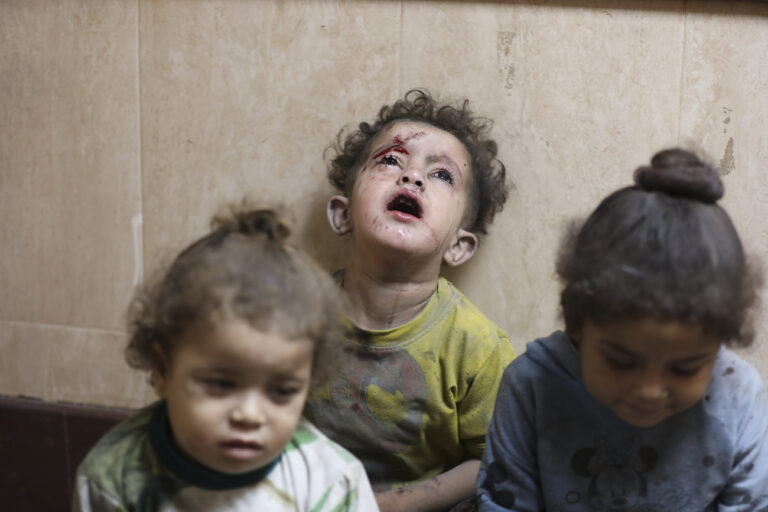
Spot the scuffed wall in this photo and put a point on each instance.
(126, 124)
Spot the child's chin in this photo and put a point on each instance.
(643, 420)
(235, 466)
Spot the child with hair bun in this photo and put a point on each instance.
(232, 335)
(637, 405)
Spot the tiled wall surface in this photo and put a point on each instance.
(126, 124)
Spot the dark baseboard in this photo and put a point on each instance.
(41, 445)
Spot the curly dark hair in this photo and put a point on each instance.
(487, 190)
(243, 268)
(662, 249)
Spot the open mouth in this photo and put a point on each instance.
(405, 203)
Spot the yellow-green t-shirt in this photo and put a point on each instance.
(414, 401)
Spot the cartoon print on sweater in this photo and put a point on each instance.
(497, 482)
(616, 475)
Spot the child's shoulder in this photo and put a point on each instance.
(325, 464)
(550, 359)
(736, 400)
(314, 444)
(461, 328)
(124, 450)
(463, 311)
(734, 382)
(122, 441)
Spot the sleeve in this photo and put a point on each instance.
(351, 493)
(88, 497)
(476, 407)
(366, 499)
(749, 479)
(509, 474)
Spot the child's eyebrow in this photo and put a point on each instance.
(210, 370)
(443, 159)
(684, 360)
(289, 377)
(696, 358)
(616, 348)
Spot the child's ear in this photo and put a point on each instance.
(338, 214)
(159, 372)
(574, 337)
(462, 248)
(157, 380)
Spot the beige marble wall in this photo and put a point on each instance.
(126, 124)
(70, 186)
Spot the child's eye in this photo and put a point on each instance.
(444, 175)
(388, 160)
(219, 385)
(620, 364)
(282, 393)
(685, 372)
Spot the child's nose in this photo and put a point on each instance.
(413, 176)
(249, 411)
(651, 385)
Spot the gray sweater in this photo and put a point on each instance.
(551, 446)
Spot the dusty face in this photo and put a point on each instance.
(411, 193)
(646, 371)
(235, 394)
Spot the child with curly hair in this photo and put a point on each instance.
(638, 406)
(414, 394)
(232, 334)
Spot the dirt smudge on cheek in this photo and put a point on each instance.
(376, 223)
(434, 236)
(374, 174)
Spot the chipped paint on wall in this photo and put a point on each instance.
(727, 163)
(727, 113)
(504, 54)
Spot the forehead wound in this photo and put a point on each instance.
(399, 140)
(398, 143)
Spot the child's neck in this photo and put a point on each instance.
(383, 300)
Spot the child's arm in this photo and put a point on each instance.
(351, 492)
(438, 493)
(509, 474)
(89, 497)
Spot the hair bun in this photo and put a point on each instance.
(248, 220)
(263, 221)
(680, 173)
